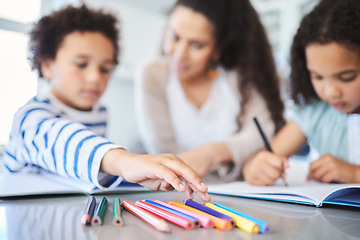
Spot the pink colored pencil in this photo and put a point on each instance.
(168, 216)
(204, 221)
(146, 216)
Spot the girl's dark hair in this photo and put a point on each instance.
(330, 21)
(243, 45)
(49, 32)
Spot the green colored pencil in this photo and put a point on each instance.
(100, 212)
(117, 218)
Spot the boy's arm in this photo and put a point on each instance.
(40, 139)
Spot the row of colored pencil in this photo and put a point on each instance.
(188, 216)
(94, 214)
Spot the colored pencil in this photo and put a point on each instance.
(205, 222)
(267, 144)
(147, 217)
(179, 213)
(243, 223)
(168, 216)
(264, 227)
(100, 212)
(208, 210)
(218, 222)
(89, 211)
(117, 218)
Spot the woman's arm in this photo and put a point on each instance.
(152, 112)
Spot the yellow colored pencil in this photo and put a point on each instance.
(242, 223)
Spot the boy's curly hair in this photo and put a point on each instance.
(243, 46)
(330, 21)
(49, 32)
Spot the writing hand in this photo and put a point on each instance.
(265, 168)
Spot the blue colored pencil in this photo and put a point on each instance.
(264, 227)
(208, 210)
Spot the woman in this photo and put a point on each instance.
(217, 74)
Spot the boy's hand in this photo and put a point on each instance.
(157, 172)
(331, 169)
(264, 168)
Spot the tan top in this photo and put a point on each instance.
(156, 129)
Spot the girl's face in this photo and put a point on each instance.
(335, 75)
(190, 43)
(81, 69)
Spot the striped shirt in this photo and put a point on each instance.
(47, 134)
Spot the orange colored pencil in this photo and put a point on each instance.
(205, 221)
(221, 224)
(147, 217)
(168, 216)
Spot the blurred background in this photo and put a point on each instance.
(142, 25)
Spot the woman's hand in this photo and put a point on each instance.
(202, 159)
(331, 169)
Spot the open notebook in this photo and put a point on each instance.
(45, 183)
(298, 190)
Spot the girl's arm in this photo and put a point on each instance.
(266, 167)
(288, 140)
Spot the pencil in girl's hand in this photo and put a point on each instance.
(267, 145)
(89, 211)
(146, 216)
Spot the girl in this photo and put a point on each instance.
(325, 85)
(217, 74)
(62, 131)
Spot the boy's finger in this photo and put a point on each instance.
(162, 172)
(187, 174)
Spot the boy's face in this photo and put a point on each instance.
(335, 75)
(81, 69)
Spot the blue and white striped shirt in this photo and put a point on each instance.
(47, 134)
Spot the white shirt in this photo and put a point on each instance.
(214, 121)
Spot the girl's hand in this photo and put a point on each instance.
(157, 172)
(264, 168)
(331, 169)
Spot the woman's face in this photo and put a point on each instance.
(190, 43)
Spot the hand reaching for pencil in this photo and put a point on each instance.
(265, 168)
(163, 172)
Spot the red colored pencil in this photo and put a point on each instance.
(146, 216)
(205, 222)
(168, 216)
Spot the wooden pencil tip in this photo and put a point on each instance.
(163, 227)
(118, 222)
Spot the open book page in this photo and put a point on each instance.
(299, 190)
(46, 183)
(20, 184)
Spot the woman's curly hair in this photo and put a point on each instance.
(330, 21)
(49, 32)
(243, 45)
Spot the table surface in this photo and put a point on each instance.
(59, 218)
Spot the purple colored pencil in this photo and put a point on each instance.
(208, 210)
